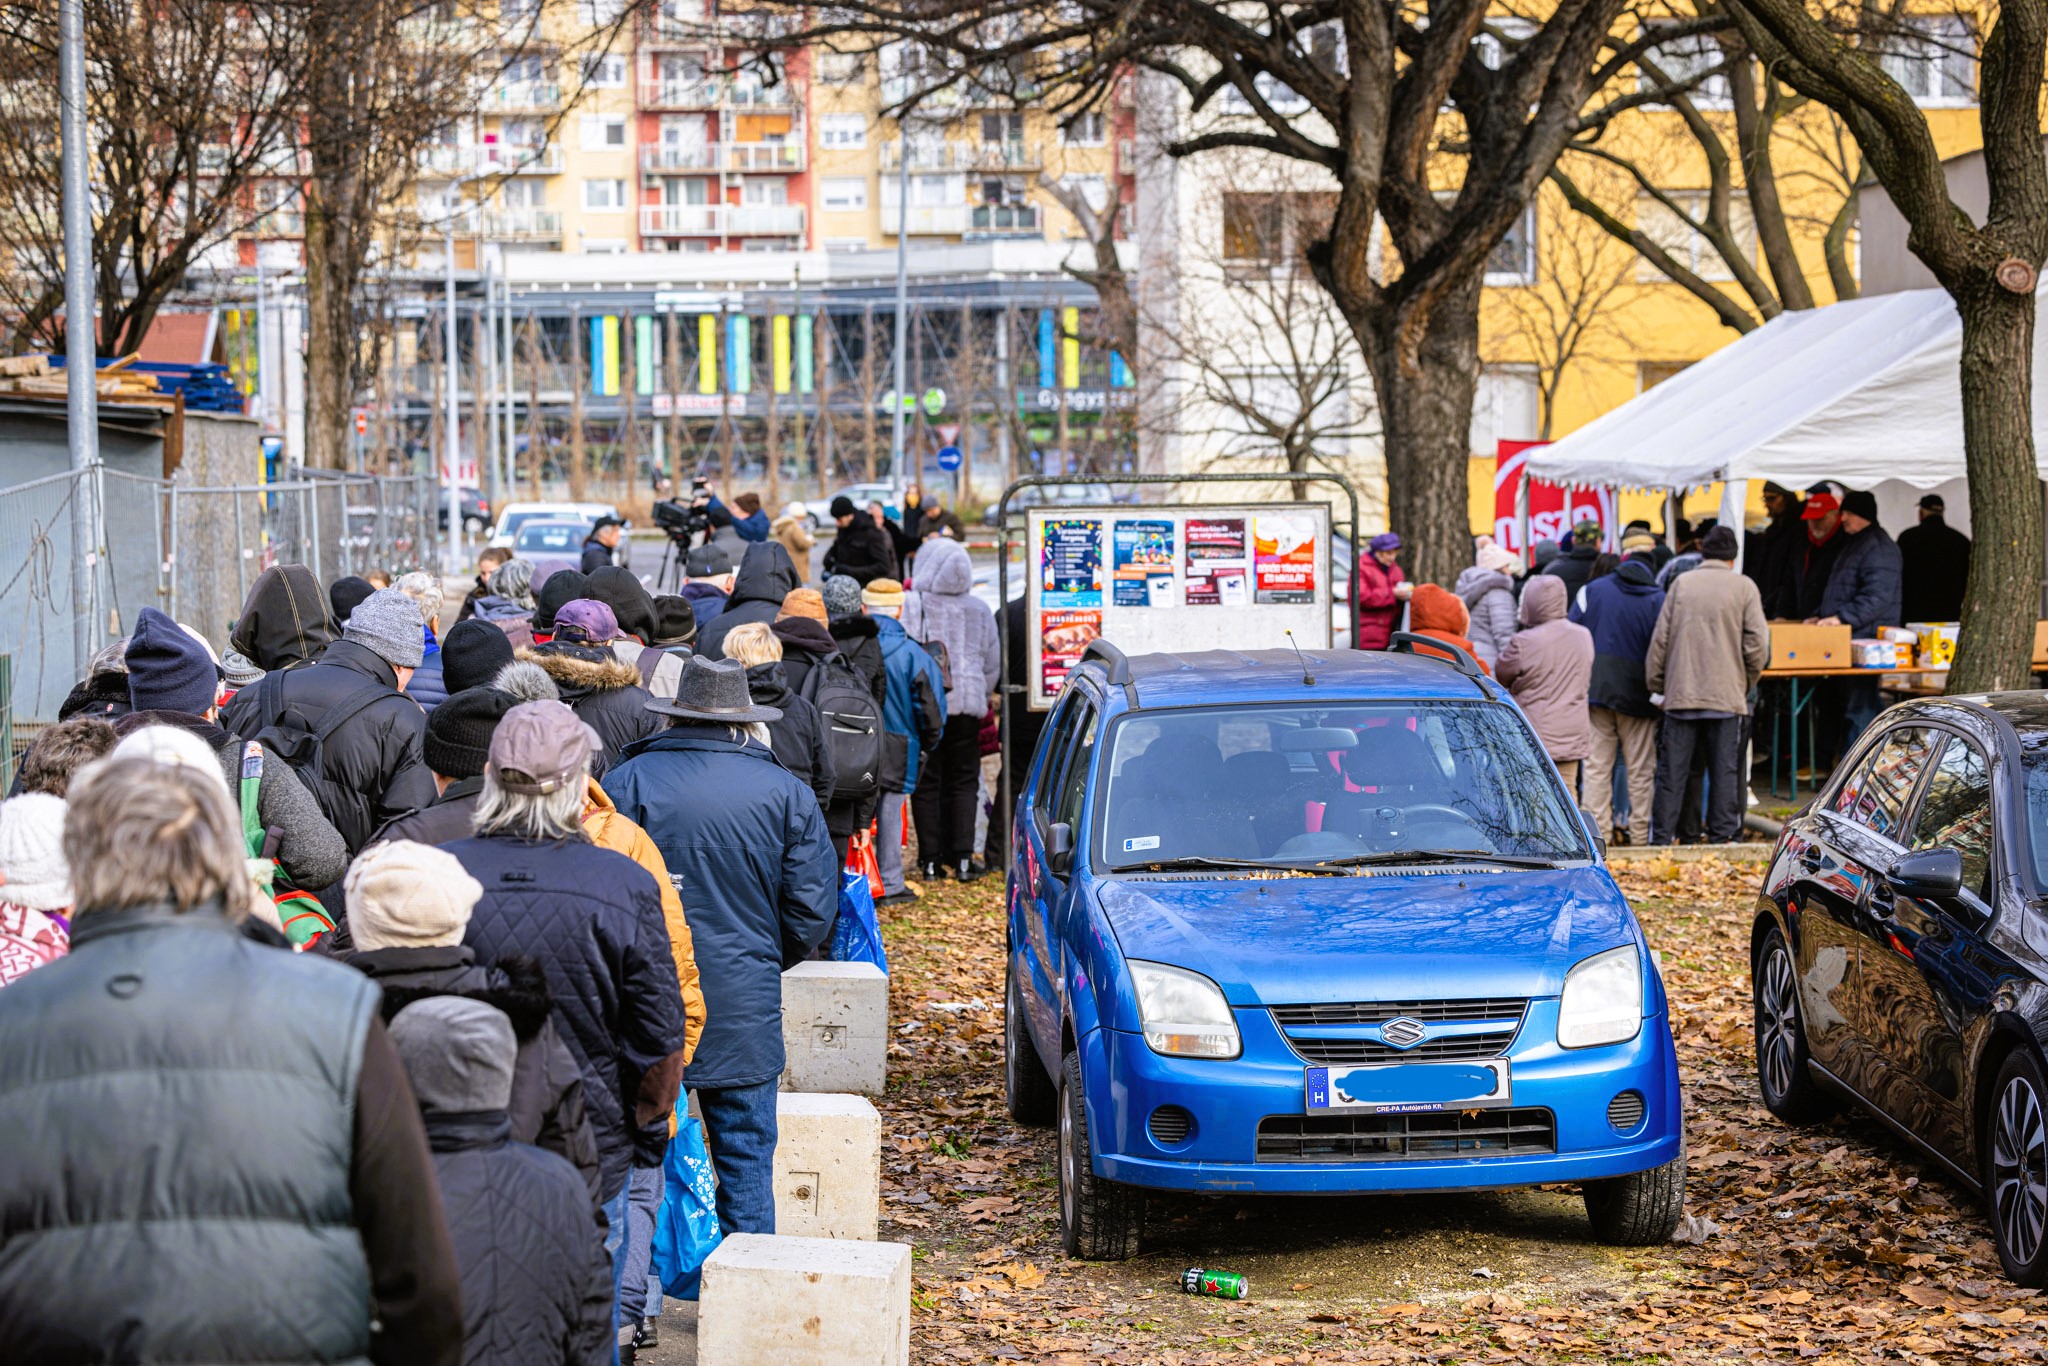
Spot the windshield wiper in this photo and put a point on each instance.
(1433, 856)
(1205, 861)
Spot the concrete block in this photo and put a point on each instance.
(835, 1028)
(783, 1300)
(828, 1166)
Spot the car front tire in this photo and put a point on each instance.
(2016, 1168)
(1788, 1088)
(1099, 1220)
(1027, 1086)
(1638, 1210)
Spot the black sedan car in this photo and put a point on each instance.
(1900, 951)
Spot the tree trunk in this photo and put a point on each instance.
(1425, 391)
(2002, 603)
(330, 338)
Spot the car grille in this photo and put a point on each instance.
(1298, 1022)
(1406, 1138)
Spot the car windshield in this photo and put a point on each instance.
(550, 538)
(1299, 783)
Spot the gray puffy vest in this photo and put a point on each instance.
(178, 1109)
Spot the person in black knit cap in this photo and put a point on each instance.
(562, 586)
(473, 654)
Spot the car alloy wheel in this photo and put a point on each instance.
(2019, 1168)
(1069, 1217)
(1789, 1090)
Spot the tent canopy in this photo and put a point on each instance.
(1861, 391)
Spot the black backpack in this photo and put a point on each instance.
(851, 722)
(286, 735)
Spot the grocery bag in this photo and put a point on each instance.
(686, 1224)
(856, 934)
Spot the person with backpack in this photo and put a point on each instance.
(344, 723)
(798, 738)
(959, 631)
(850, 699)
(913, 718)
(286, 621)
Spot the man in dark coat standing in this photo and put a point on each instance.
(1936, 563)
(599, 545)
(1770, 557)
(745, 842)
(766, 576)
(861, 550)
(1863, 593)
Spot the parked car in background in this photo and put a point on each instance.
(476, 513)
(1899, 954)
(1287, 925)
(515, 515)
(551, 544)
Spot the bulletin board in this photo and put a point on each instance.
(1152, 578)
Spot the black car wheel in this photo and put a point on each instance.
(1099, 1220)
(2017, 1182)
(1639, 1210)
(1789, 1090)
(1027, 1086)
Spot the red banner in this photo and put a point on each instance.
(1553, 509)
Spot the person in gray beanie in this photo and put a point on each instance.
(842, 596)
(344, 723)
(536, 1283)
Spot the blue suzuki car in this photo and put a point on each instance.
(1294, 926)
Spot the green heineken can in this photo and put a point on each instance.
(1222, 1285)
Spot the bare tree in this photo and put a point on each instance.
(190, 104)
(1833, 55)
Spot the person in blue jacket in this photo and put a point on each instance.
(746, 846)
(913, 718)
(750, 521)
(1864, 592)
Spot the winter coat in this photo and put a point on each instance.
(945, 609)
(536, 1280)
(307, 847)
(1440, 614)
(914, 709)
(860, 640)
(29, 938)
(596, 555)
(766, 576)
(746, 843)
(508, 616)
(1621, 611)
(285, 621)
(804, 643)
(1771, 560)
(104, 695)
(798, 739)
(1548, 667)
(1810, 569)
(1575, 566)
(1489, 598)
(602, 689)
(593, 919)
(1026, 725)
(752, 528)
(426, 687)
(1935, 564)
(861, 551)
(450, 816)
(796, 538)
(479, 590)
(1864, 587)
(705, 600)
(547, 1084)
(1710, 643)
(373, 759)
(610, 830)
(1379, 610)
(939, 522)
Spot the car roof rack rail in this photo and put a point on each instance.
(1408, 642)
(1116, 664)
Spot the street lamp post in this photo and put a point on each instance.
(81, 349)
(902, 293)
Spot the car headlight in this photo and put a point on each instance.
(1183, 1013)
(1603, 1000)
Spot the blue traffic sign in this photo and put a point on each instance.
(950, 458)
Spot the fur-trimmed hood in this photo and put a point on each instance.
(579, 669)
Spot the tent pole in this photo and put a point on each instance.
(1522, 517)
(1671, 508)
(1734, 505)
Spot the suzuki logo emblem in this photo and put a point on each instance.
(1402, 1032)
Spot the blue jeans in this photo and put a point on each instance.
(639, 1296)
(739, 1129)
(615, 1216)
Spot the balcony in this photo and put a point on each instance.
(763, 158)
(676, 158)
(215, 157)
(482, 159)
(700, 92)
(664, 28)
(760, 28)
(521, 97)
(749, 95)
(752, 158)
(926, 220)
(1006, 220)
(896, 89)
(523, 225)
(441, 31)
(721, 220)
(964, 156)
(278, 223)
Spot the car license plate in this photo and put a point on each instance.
(1406, 1088)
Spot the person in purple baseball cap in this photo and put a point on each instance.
(603, 690)
(1382, 590)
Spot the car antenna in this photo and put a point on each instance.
(1308, 679)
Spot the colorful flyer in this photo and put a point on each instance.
(1062, 636)
(1070, 562)
(1216, 565)
(1283, 557)
(1144, 564)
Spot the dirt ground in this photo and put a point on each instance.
(1835, 1245)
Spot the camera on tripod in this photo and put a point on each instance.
(684, 522)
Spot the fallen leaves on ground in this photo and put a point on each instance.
(1832, 1245)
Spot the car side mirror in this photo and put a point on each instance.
(1928, 873)
(1599, 840)
(1059, 848)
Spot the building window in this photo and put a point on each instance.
(1513, 258)
(517, 11)
(1085, 130)
(1934, 56)
(839, 68)
(1501, 38)
(1687, 246)
(603, 195)
(604, 71)
(1276, 94)
(1002, 128)
(843, 130)
(764, 190)
(1689, 58)
(522, 132)
(603, 132)
(599, 13)
(1270, 228)
(523, 194)
(1508, 407)
(845, 193)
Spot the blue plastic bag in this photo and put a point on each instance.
(686, 1225)
(857, 934)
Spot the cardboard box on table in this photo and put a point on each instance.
(1795, 645)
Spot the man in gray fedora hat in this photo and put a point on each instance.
(746, 845)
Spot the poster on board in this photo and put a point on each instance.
(1062, 636)
(1070, 562)
(1283, 557)
(1143, 574)
(1216, 565)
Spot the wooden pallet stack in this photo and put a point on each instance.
(34, 376)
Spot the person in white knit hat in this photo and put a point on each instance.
(35, 884)
(170, 745)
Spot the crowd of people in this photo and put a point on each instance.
(1639, 669)
(377, 955)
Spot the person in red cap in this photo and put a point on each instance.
(1816, 559)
